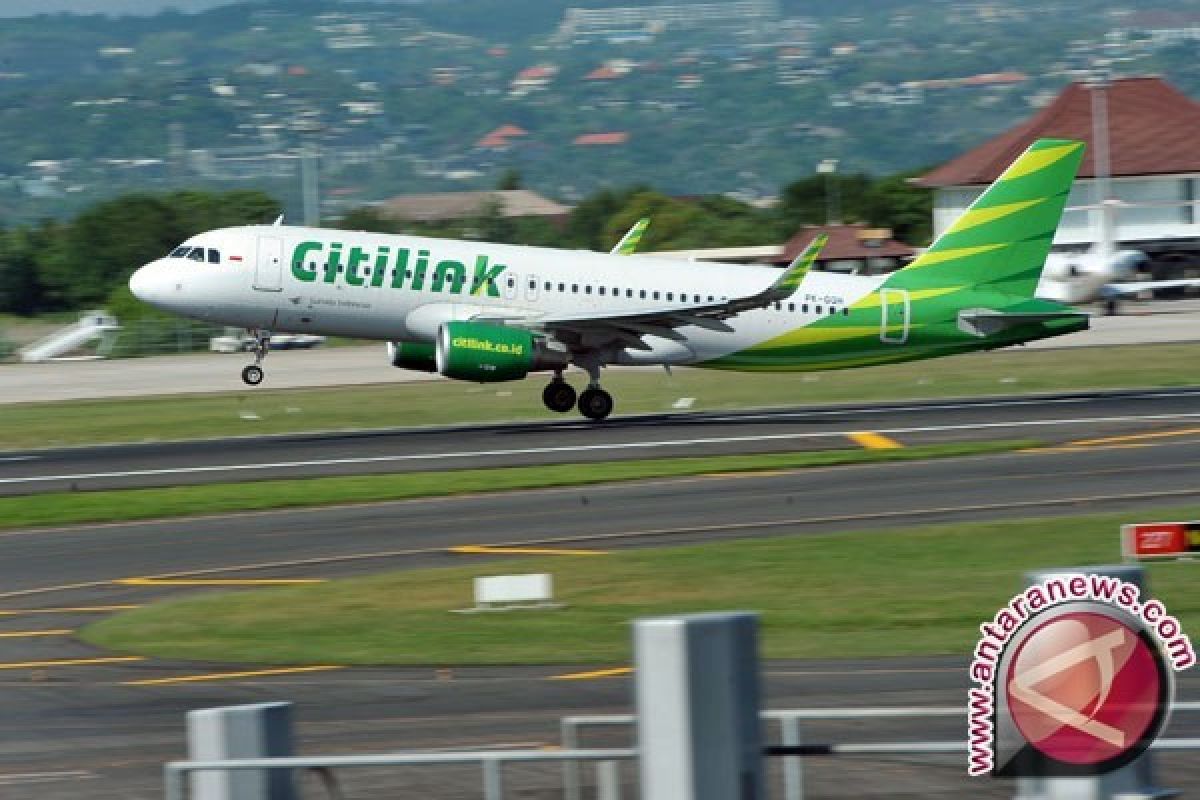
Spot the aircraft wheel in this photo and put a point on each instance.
(559, 396)
(252, 375)
(595, 404)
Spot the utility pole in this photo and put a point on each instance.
(1098, 86)
(309, 129)
(833, 190)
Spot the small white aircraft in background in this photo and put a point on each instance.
(1078, 278)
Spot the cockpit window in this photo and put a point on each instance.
(214, 256)
(179, 252)
(197, 254)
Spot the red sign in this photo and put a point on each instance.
(1160, 539)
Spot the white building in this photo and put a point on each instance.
(1154, 165)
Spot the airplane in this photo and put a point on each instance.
(1078, 278)
(486, 313)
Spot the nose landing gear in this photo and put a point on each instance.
(253, 374)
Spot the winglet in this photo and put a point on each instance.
(791, 278)
(787, 283)
(629, 242)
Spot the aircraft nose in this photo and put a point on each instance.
(149, 283)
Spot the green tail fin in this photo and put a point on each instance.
(1002, 240)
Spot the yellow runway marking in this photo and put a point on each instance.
(217, 581)
(598, 673)
(71, 662)
(479, 549)
(874, 441)
(24, 634)
(16, 612)
(225, 676)
(762, 473)
(1135, 437)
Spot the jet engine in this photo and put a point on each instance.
(486, 353)
(412, 355)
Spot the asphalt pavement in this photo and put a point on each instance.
(84, 723)
(1051, 418)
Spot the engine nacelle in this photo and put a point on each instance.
(477, 351)
(412, 355)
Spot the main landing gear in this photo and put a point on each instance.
(559, 395)
(594, 402)
(253, 374)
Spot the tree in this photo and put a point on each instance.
(20, 289)
(509, 179)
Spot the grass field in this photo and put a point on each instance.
(909, 592)
(133, 504)
(440, 402)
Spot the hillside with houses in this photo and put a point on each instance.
(738, 98)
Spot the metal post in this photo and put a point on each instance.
(260, 730)
(608, 780)
(174, 782)
(699, 736)
(793, 766)
(493, 780)
(571, 776)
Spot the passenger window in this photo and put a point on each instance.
(600, 290)
(710, 298)
(804, 308)
(656, 295)
(574, 288)
(791, 306)
(778, 306)
(214, 257)
(548, 285)
(670, 297)
(629, 293)
(562, 287)
(642, 294)
(533, 284)
(846, 312)
(587, 289)
(817, 310)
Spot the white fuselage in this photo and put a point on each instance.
(403, 288)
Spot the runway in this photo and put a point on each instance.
(83, 722)
(1051, 419)
(116, 729)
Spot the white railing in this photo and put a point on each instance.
(491, 762)
(790, 736)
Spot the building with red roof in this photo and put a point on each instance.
(593, 139)
(855, 248)
(1154, 164)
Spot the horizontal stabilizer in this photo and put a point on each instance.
(983, 322)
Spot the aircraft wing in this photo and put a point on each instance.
(629, 326)
(1133, 287)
